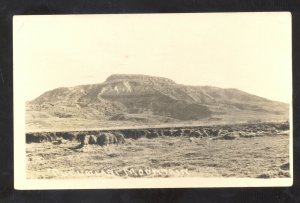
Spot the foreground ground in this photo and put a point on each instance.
(255, 157)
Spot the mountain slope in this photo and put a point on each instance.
(140, 96)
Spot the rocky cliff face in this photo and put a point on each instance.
(122, 96)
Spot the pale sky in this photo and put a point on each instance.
(248, 51)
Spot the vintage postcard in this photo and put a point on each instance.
(152, 100)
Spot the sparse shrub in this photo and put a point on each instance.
(120, 138)
(80, 137)
(215, 132)
(49, 137)
(196, 134)
(285, 166)
(68, 136)
(112, 138)
(92, 139)
(103, 139)
(160, 132)
(152, 135)
(208, 131)
(130, 134)
(83, 138)
(178, 133)
(283, 174)
(223, 132)
(57, 142)
(30, 137)
(186, 132)
(227, 136)
(36, 137)
(264, 175)
(139, 134)
(284, 126)
(167, 133)
(247, 135)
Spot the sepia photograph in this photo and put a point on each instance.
(152, 100)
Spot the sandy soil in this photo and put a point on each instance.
(256, 157)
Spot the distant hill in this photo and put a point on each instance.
(148, 99)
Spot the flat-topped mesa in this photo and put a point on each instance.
(115, 77)
(146, 97)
